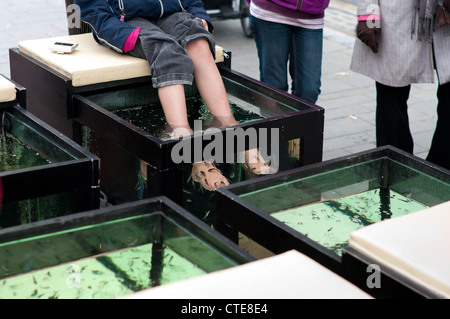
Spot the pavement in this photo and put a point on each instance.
(348, 98)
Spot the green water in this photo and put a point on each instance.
(106, 276)
(151, 117)
(15, 155)
(108, 259)
(330, 222)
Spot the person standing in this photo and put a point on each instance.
(289, 41)
(400, 43)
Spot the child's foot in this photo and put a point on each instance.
(180, 132)
(209, 176)
(174, 133)
(255, 163)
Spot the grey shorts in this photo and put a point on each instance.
(163, 44)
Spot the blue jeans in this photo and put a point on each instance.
(278, 44)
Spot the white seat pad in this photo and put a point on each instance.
(416, 246)
(7, 90)
(90, 63)
(290, 275)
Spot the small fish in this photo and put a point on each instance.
(54, 296)
(40, 244)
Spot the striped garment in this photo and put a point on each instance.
(271, 16)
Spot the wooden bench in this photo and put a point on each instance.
(7, 90)
(91, 63)
(52, 79)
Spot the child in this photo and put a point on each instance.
(174, 36)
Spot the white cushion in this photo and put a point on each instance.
(416, 246)
(290, 275)
(90, 63)
(7, 90)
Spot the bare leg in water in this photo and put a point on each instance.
(212, 90)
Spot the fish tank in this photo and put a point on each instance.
(126, 128)
(111, 252)
(44, 174)
(315, 208)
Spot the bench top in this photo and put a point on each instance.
(7, 90)
(416, 246)
(290, 275)
(90, 63)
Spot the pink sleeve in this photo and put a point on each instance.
(131, 40)
(368, 17)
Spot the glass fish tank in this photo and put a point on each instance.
(22, 147)
(315, 208)
(111, 253)
(136, 155)
(43, 173)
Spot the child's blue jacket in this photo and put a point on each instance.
(104, 16)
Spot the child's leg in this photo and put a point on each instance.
(209, 82)
(211, 88)
(172, 61)
(173, 102)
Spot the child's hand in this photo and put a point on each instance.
(204, 23)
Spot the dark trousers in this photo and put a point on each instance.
(392, 123)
